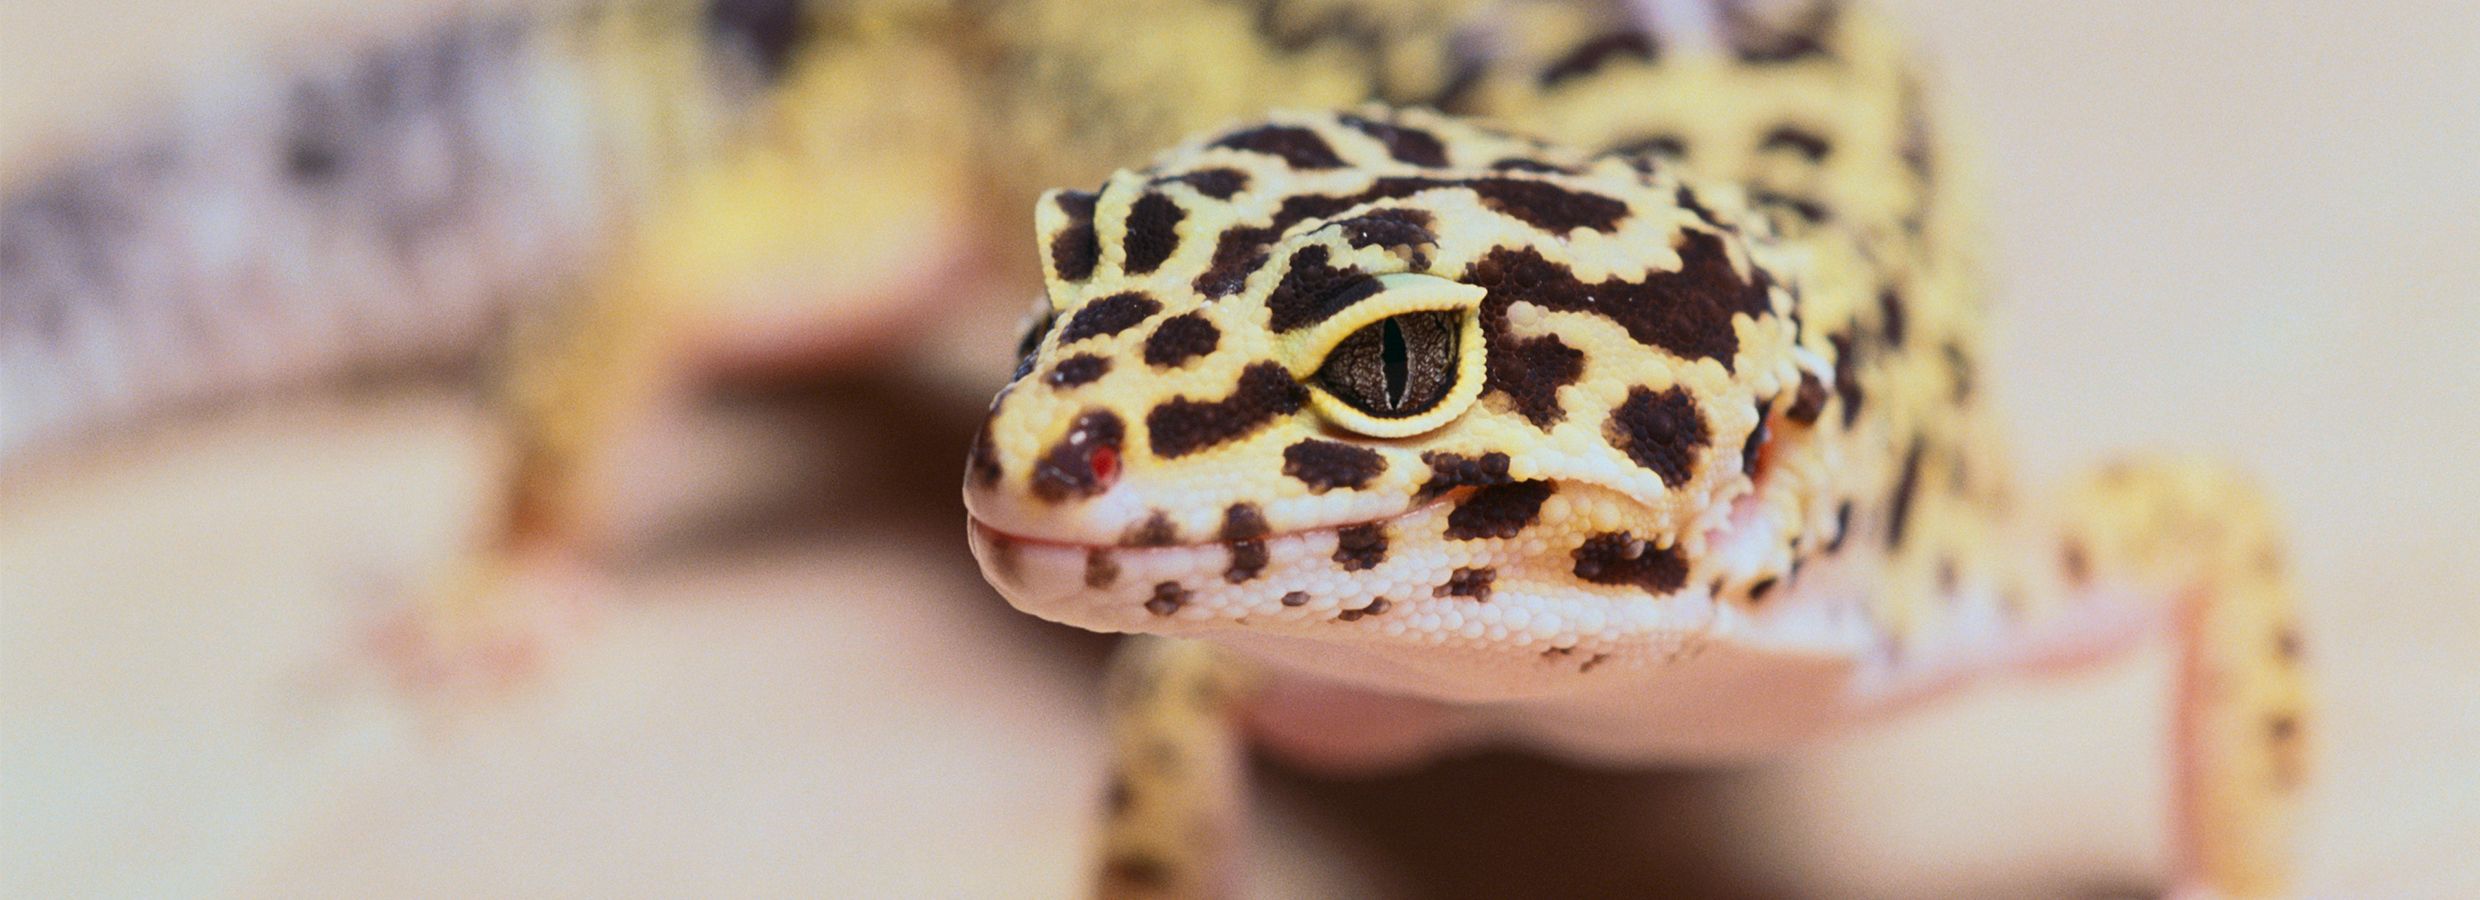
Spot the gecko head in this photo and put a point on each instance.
(1389, 395)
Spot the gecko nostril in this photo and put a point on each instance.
(1085, 462)
(1105, 463)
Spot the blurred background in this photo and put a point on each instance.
(2240, 229)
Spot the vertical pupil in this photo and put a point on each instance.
(1398, 363)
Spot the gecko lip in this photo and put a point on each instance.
(1105, 586)
(983, 529)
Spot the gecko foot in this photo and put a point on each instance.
(489, 626)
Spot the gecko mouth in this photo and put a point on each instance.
(983, 529)
(1141, 586)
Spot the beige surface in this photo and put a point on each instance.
(2239, 228)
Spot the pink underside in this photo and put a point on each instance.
(1731, 701)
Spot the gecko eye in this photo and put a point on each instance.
(1402, 360)
(1396, 367)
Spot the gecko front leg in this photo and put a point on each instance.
(1174, 812)
(2204, 538)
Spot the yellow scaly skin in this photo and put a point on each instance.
(1637, 454)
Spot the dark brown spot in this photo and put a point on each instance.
(1080, 369)
(1120, 796)
(1890, 315)
(1528, 371)
(1240, 250)
(1798, 140)
(1847, 376)
(1100, 569)
(1247, 559)
(1590, 56)
(1808, 402)
(1155, 531)
(1299, 147)
(1296, 598)
(1168, 597)
(1688, 312)
(1752, 451)
(1243, 249)
(1032, 340)
(1179, 339)
(1391, 227)
(1304, 207)
(1137, 870)
(1085, 462)
(1906, 489)
(1657, 146)
(1808, 209)
(1326, 465)
(1522, 164)
(2287, 646)
(313, 160)
(1619, 558)
(1375, 607)
(983, 460)
(771, 32)
(1243, 522)
(1959, 365)
(1153, 233)
(1497, 512)
(1108, 316)
(1918, 147)
(1468, 582)
(1182, 426)
(1218, 183)
(2076, 562)
(1360, 547)
(1075, 250)
(1757, 591)
(1313, 291)
(1661, 432)
(1004, 556)
(1409, 145)
(1758, 39)
(1842, 527)
(1551, 207)
(1687, 200)
(1448, 471)
(2290, 763)
(1556, 652)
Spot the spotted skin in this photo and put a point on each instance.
(1711, 407)
(1711, 436)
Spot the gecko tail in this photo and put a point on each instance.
(370, 207)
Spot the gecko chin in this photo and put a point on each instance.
(1425, 601)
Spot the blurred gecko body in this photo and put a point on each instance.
(376, 211)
